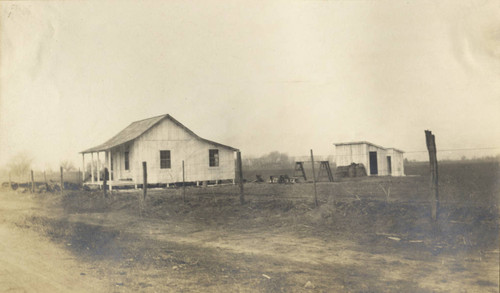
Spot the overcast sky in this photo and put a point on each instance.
(257, 75)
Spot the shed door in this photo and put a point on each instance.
(373, 163)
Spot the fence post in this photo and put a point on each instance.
(45, 180)
(83, 167)
(431, 147)
(98, 171)
(144, 180)
(183, 183)
(92, 167)
(62, 179)
(314, 180)
(104, 181)
(32, 182)
(110, 171)
(240, 176)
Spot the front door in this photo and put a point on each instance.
(373, 163)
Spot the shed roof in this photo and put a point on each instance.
(368, 143)
(137, 128)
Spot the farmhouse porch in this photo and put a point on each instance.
(97, 170)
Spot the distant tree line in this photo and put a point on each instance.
(272, 160)
(20, 166)
(495, 158)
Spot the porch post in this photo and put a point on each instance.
(98, 168)
(110, 182)
(83, 167)
(92, 167)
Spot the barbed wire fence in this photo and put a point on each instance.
(227, 185)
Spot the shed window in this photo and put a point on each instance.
(165, 160)
(127, 166)
(213, 156)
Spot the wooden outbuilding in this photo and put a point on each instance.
(163, 143)
(377, 160)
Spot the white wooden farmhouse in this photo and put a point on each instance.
(163, 143)
(376, 159)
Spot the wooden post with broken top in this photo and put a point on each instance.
(431, 147)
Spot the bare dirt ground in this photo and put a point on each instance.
(30, 262)
(358, 240)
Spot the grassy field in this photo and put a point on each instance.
(367, 234)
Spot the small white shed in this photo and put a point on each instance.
(376, 159)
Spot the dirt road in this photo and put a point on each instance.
(31, 263)
(291, 261)
(119, 251)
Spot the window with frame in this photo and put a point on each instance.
(127, 165)
(165, 161)
(213, 156)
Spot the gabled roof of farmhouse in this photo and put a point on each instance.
(369, 143)
(137, 128)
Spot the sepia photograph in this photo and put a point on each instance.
(250, 146)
